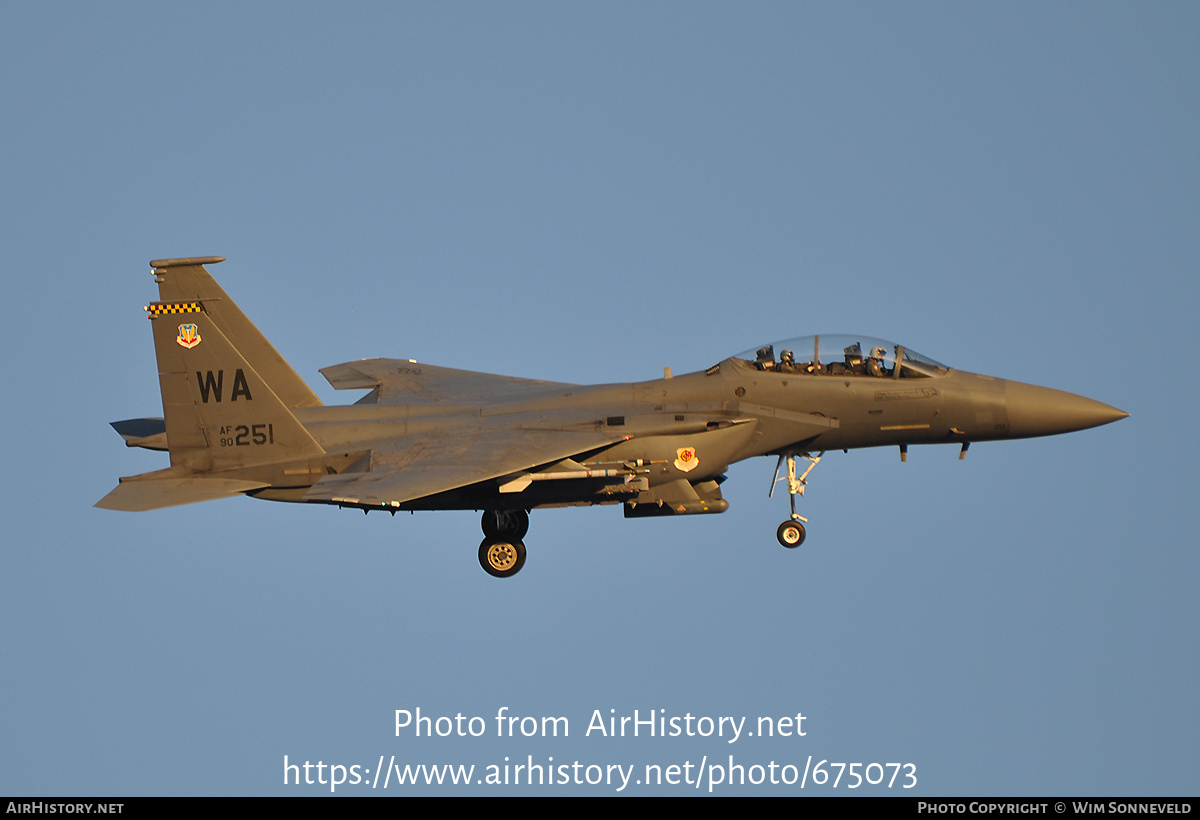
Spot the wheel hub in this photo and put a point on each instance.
(501, 556)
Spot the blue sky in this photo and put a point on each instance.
(590, 193)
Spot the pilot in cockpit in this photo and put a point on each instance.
(854, 360)
(787, 362)
(765, 358)
(875, 362)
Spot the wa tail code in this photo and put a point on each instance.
(212, 385)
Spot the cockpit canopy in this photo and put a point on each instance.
(842, 355)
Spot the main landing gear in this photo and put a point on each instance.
(791, 532)
(502, 553)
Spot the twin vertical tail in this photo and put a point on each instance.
(227, 396)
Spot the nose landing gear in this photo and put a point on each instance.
(791, 532)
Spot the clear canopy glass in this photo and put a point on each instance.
(842, 355)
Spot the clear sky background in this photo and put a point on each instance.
(590, 193)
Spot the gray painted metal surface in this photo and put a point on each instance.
(237, 419)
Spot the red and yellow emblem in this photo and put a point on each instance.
(685, 459)
(189, 336)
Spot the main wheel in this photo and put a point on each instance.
(790, 534)
(506, 523)
(501, 557)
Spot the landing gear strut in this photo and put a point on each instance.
(502, 553)
(513, 523)
(791, 532)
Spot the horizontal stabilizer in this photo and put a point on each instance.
(149, 433)
(137, 495)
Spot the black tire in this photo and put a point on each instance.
(505, 523)
(790, 534)
(501, 557)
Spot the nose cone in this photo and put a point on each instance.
(1040, 411)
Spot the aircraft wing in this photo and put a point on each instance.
(403, 381)
(419, 466)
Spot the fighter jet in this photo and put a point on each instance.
(238, 420)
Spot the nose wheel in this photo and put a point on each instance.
(791, 532)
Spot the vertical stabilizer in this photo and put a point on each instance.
(186, 280)
(221, 410)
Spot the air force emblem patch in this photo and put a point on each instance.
(685, 459)
(189, 336)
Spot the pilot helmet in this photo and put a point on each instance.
(786, 356)
(878, 353)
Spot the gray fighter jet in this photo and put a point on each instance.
(237, 420)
